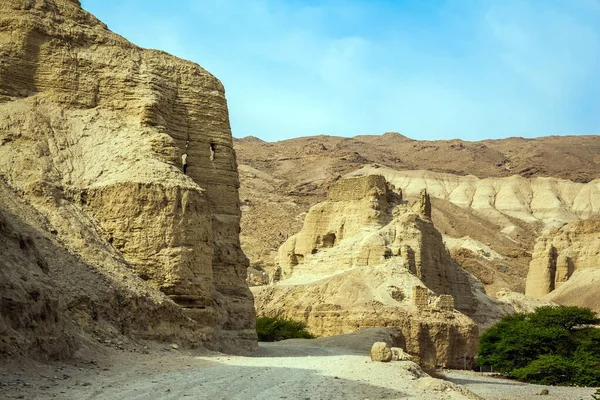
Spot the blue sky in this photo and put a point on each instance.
(469, 69)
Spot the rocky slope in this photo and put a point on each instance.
(92, 131)
(367, 258)
(565, 267)
(490, 212)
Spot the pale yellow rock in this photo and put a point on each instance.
(380, 351)
(355, 264)
(542, 270)
(398, 354)
(548, 200)
(565, 264)
(92, 131)
(374, 226)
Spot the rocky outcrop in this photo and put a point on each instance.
(490, 224)
(364, 259)
(565, 266)
(550, 201)
(92, 133)
(398, 354)
(365, 222)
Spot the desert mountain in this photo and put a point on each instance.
(491, 200)
(103, 233)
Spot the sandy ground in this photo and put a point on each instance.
(292, 369)
(285, 370)
(493, 388)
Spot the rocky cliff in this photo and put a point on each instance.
(284, 179)
(364, 258)
(565, 266)
(92, 133)
(549, 201)
(489, 223)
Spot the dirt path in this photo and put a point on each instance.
(326, 368)
(277, 371)
(493, 388)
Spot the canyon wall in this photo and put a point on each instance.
(92, 134)
(565, 266)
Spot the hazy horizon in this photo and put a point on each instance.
(427, 70)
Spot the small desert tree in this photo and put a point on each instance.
(271, 329)
(553, 345)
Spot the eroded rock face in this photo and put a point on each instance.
(92, 133)
(549, 201)
(32, 313)
(355, 263)
(378, 226)
(565, 266)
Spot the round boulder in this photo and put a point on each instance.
(381, 352)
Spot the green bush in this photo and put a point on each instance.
(547, 370)
(551, 346)
(274, 329)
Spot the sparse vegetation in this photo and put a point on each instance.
(552, 346)
(271, 329)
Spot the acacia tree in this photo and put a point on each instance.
(553, 345)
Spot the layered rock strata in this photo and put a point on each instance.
(378, 227)
(489, 224)
(565, 266)
(355, 263)
(550, 201)
(92, 133)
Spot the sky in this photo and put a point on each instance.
(428, 69)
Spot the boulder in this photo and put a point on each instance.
(381, 352)
(398, 354)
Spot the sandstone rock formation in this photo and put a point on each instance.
(501, 216)
(549, 201)
(565, 267)
(378, 226)
(365, 259)
(489, 220)
(92, 131)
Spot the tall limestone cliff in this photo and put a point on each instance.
(356, 263)
(565, 266)
(92, 133)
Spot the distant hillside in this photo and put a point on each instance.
(280, 181)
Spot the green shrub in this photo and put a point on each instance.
(567, 317)
(550, 346)
(547, 370)
(274, 329)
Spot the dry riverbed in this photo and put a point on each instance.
(328, 368)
